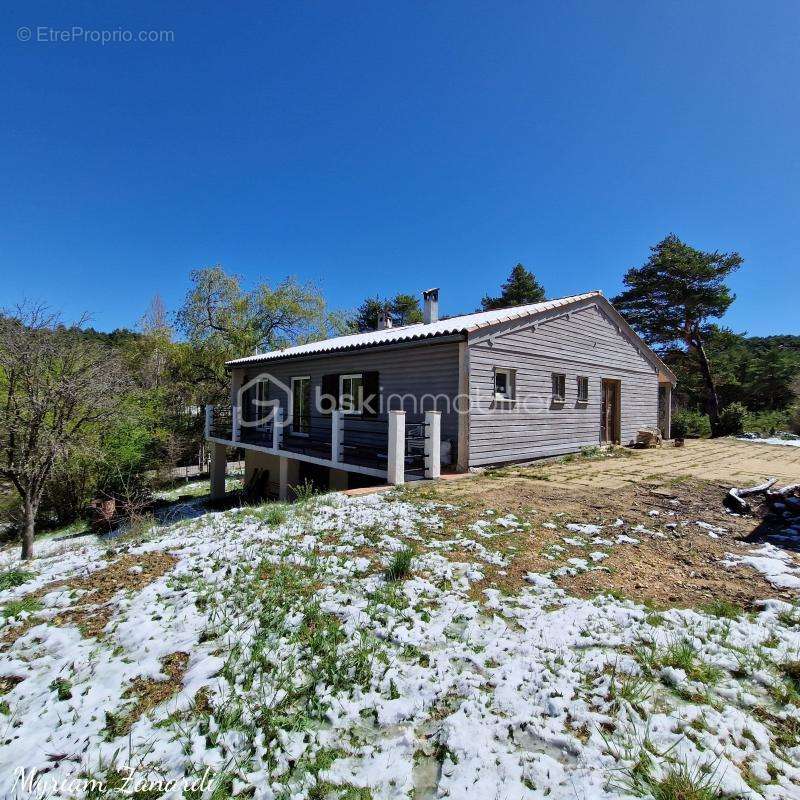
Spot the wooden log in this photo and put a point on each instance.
(783, 494)
(735, 497)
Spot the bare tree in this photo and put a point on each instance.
(156, 345)
(57, 389)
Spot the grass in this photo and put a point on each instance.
(633, 690)
(789, 619)
(304, 491)
(14, 577)
(271, 513)
(682, 654)
(400, 565)
(683, 783)
(722, 608)
(62, 687)
(25, 605)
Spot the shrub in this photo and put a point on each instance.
(692, 424)
(732, 419)
(794, 418)
(768, 423)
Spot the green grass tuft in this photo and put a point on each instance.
(13, 578)
(400, 565)
(17, 607)
(722, 608)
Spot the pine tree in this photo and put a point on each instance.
(520, 289)
(672, 298)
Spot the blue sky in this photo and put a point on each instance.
(381, 147)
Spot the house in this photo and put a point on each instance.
(394, 404)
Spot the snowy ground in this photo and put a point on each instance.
(792, 442)
(286, 665)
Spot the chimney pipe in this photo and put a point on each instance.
(431, 313)
(384, 320)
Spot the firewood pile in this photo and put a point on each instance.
(648, 437)
(783, 502)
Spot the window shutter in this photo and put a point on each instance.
(330, 393)
(372, 394)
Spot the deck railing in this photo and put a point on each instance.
(394, 445)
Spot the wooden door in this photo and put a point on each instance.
(609, 414)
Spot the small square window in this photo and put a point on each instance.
(559, 387)
(504, 388)
(583, 389)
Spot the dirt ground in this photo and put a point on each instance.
(675, 561)
(727, 461)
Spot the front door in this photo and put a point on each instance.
(609, 414)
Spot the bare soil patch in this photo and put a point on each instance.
(147, 693)
(677, 564)
(92, 612)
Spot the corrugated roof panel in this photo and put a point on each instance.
(443, 327)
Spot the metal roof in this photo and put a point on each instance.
(404, 333)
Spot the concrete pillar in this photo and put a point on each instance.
(277, 428)
(283, 478)
(336, 436)
(433, 444)
(396, 467)
(337, 480)
(217, 471)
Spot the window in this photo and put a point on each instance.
(504, 388)
(301, 405)
(351, 393)
(559, 387)
(261, 408)
(583, 389)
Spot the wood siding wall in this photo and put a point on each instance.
(426, 376)
(587, 343)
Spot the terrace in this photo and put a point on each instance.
(396, 448)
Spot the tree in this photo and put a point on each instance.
(671, 299)
(56, 386)
(520, 289)
(222, 320)
(154, 347)
(403, 308)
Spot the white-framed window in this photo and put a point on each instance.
(583, 389)
(559, 387)
(351, 393)
(301, 405)
(504, 384)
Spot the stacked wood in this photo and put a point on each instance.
(648, 437)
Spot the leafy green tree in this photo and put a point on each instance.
(221, 320)
(404, 309)
(671, 299)
(520, 289)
